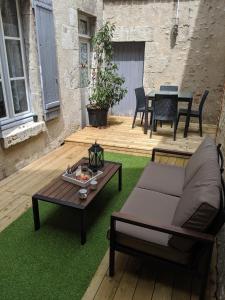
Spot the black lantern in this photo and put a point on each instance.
(96, 157)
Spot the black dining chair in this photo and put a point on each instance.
(195, 113)
(165, 108)
(140, 104)
(171, 88)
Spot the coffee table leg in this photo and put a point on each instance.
(83, 227)
(36, 214)
(120, 178)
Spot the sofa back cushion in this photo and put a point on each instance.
(199, 203)
(205, 152)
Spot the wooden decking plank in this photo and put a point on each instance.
(37, 164)
(146, 283)
(129, 280)
(23, 203)
(109, 285)
(164, 284)
(97, 279)
(182, 286)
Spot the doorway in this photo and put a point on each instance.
(129, 57)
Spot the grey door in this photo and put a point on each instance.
(130, 60)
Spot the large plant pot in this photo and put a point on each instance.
(97, 117)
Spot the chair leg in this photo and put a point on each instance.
(151, 120)
(200, 125)
(135, 116)
(175, 130)
(161, 124)
(142, 118)
(152, 126)
(178, 120)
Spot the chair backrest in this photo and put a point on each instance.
(171, 88)
(140, 97)
(165, 107)
(220, 158)
(202, 102)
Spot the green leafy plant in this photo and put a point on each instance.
(107, 86)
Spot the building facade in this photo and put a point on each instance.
(44, 52)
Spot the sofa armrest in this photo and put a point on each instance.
(170, 229)
(173, 152)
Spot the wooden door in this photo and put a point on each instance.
(129, 57)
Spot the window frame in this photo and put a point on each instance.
(85, 38)
(87, 42)
(12, 116)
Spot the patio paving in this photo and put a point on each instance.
(119, 136)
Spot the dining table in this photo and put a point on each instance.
(183, 96)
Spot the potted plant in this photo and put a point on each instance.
(106, 85)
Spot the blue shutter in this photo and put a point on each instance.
(45, 32)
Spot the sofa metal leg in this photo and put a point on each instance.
(206, 274)
(111, 262)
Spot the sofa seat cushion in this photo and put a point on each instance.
(162, 178)
(199, 203)
(207, 151)
(160, 251)
(150, 206)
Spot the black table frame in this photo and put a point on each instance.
(80, 208)
(182, 97)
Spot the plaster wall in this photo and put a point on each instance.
(194, 61)
(67, 47)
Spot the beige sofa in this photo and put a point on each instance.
(173, 213)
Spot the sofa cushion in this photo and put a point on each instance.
(149, 205)
(152, 206)
(165, 252)
(199, 203)
(205, 152)
(162, 178)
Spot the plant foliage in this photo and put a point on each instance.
(108, 87)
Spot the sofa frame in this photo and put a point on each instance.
(205, 241)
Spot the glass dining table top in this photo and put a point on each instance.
(182, 95)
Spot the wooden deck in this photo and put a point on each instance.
(119, 136)
(134, 279)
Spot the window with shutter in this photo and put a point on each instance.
(45, 32)
(14, 100)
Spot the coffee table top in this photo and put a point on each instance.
(65, 193)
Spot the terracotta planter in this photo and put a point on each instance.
(97, 117)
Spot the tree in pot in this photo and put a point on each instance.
(107, 87)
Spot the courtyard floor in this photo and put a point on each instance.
(133, 279)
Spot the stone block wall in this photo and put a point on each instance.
(195, 61)
(67, 47)
(221, 237)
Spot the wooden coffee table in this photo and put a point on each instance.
(66, 194)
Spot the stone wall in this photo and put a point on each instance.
(221, 237)
(66, 28)
(194, 62)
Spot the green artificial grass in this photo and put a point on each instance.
(51, 263)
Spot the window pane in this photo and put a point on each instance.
(19, 96)
(83, 27)
(14, 58)
(2, 104)
(9, 18)
(83, 64)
